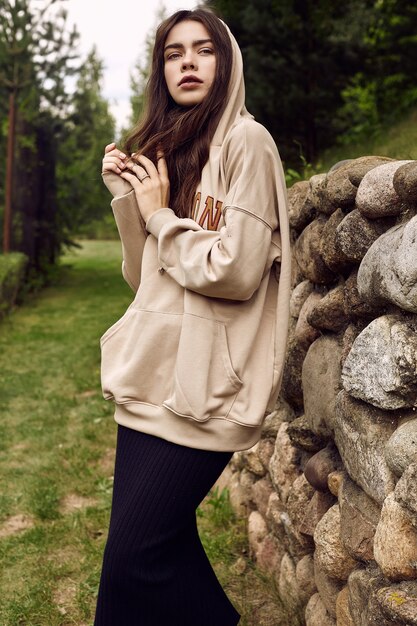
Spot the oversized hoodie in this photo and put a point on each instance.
(197, 358)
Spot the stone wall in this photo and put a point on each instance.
(330, 490)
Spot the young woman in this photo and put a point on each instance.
(197, 358)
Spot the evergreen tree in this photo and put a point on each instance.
(385, 87)
(82, 197)
(140, 74)
(36, 55)
(298, 55)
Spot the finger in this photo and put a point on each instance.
(133, 180)
(149, 166)
(113, 159)
(111, 150)
(162, 168)
(111, 167)
(138, 170)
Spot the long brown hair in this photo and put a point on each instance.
(183, 134)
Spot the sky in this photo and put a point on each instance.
(119, 34)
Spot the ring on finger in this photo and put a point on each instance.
(143, 178)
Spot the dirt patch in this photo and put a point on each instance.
(19, 447)
(64, 595)
(87, 394)
(73, 502)
(106, 463)
(15, 524)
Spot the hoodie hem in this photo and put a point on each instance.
(217, 434)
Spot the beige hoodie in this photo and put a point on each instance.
(197, 358)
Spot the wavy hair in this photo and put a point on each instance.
(182, 133)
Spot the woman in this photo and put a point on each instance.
(197, 358)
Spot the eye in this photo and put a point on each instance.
(172, 56)
(206, 51)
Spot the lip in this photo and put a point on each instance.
(189, 79)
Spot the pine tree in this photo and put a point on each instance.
(82, 197)
(36, 55)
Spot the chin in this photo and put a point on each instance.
(189, 102)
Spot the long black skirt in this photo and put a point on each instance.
(155, 570)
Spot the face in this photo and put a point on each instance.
(189, 63)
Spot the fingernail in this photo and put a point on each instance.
(122, 156)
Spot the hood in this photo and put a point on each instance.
(235, 97)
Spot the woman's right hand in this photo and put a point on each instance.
(113, 164)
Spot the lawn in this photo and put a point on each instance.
(57, 438)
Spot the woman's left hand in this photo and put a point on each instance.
(151, 184)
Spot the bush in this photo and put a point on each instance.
(12, 271)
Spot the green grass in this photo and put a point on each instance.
(57, 438)
(56, 435)
(399, 141)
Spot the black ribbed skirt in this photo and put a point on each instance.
(155, 570)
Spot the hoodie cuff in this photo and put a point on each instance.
(158, 219)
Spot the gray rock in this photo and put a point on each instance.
(257, 531)
(303, 437)
(275, 514)
(291, 389)
(316, 614)
(328, 313)
(252, 461)
(398, 603)
(287, 584)
(339, 189)
(401, 448)
(299, 496)
(376, 195)
(328, 588)
(283, 467)
(388, 272)
(395, 542)
(317, 184)
(320, 465)
(321, 370)
(304, 573)
(238, 496)
(405, 182)
(330, 249)
(265, 451)
(318, 506)
(354, 306)
(283, 413)
(406, 492)
(269, 554)
(307, 254)
(361, 166)
(361, 432)
(299, 295)
(300, 207)
(355, 234)
(304, 332)
(349, 336)
(359, 516)
(343, 614)
(381, 367)
(330, 551)
(261, 491)
(362, 584)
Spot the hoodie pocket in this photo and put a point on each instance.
(138, 356)
(205, 384)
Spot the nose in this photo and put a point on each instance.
(188, 61)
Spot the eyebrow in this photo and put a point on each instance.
(198, 42)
